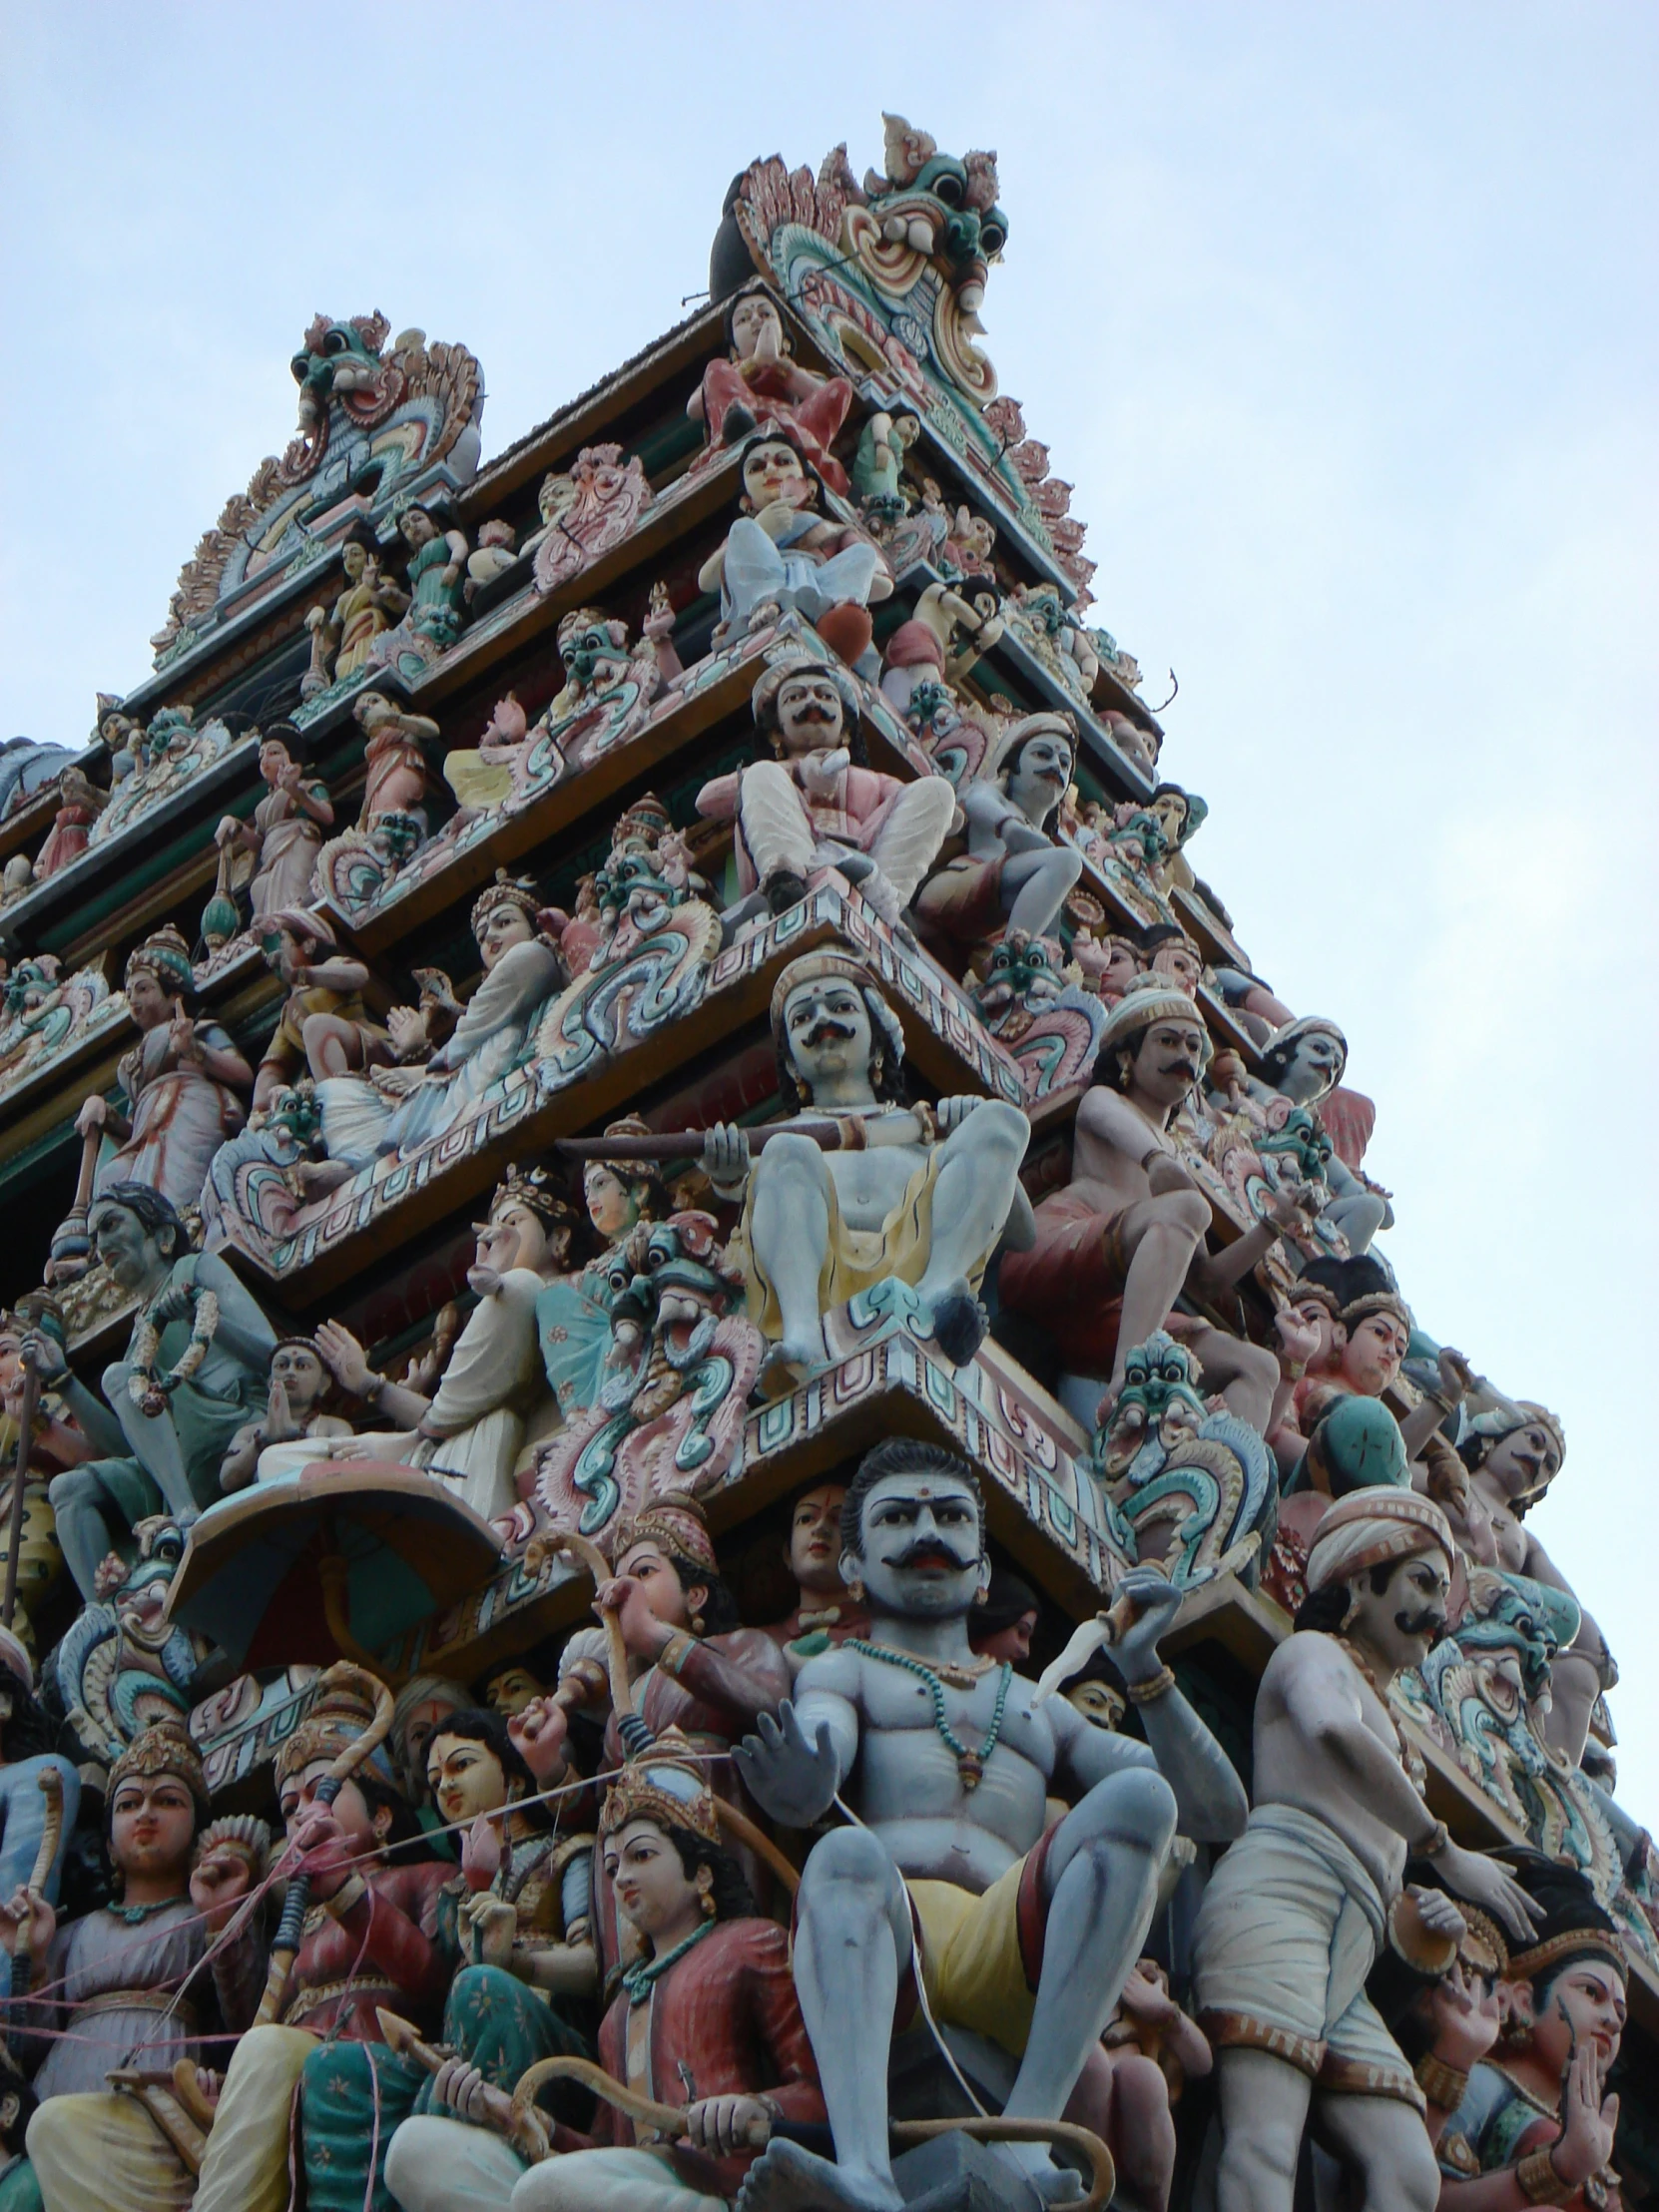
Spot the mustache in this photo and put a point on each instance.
(1181, 1067)
(821, 1031)
(924, 1551)
(813, 713)
(1431, 1619)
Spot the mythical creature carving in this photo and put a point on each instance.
(584, 512)
(123, 1664)
(684, 1359)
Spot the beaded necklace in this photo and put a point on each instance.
(637, 1981)
(970, 1764)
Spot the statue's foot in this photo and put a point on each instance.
(796, 1356)
(787, 2178)
(959, 1324)
(736, 424)
(783, 889)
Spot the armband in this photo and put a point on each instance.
(1539, 2181)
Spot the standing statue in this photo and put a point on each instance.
(185, 1080)
(706, 2025)
(1297, 1912)
(399, 1109)
(436, 576)
(113, 1981)
(760, 386)
(948, 1760)
(919, 1196)
(197, 1368)
(819, 804)
(394, 754)
(343, 636)
(1016, 871)
(785, 552)
(1115, 1247)
(572, 1313)
(285, 832)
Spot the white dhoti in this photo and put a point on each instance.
(437, 2164)
(609, 2181)
(1289, 1927)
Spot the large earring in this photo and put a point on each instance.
(705, 1892)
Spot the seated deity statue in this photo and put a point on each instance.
(818, 803)
(81, 802)
(284, 836)
(762, 386)
(785, 552)
(325, 1026)
(493, 1403)
(299, 1381)
(1016, 871)
(925, 651)
(315, 2091)
(1117, 1246)
(951, 1869)
(917, 1196)
(197, 1369)
(707, 2022)
(186, 1084)
(1537, 2110)
(344, 636)
(398, 1109)
(1295, 1915)
(481, 776)
(108, 1979)
(1303, 1066)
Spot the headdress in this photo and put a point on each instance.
(1374, 1302)
(299, 922)
(1283, 1042)
(164, 1748)
(1150, 998)
(675, 1523)
(764, 698)
(1007, 742)
(913, 644)
(506, 890)
(243, 1832)
(817, 967)
(1492, 1428)
(662, 1785)
(1371, 1527)
(1321, 1292)
(1570, 1923)
(39, 1310)
(165, 955)
(536, 1191)
(334, 1723)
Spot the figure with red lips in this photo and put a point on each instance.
(825, 1611)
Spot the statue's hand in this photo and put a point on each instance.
(538, 1734)
(794, 1781)
(953, 1112)
(28, 1910)
(1155, 1601)
(1165, 1173)
(464, 2090)
(1586, 2142)
(1467, 2021)
(46, 1355)
(344, 1356)
(173, 1303)
(1492, 1886)
(94, 1114)
(217, 1886)
(726, 2125)
(726, 1158)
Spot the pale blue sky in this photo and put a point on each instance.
(1340, 320)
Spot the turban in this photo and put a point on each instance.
(1150, 998)
(1369, 1528)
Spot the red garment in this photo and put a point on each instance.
(1071, 1280)
(66, 840)
(386, 1944)
(780, 397)
(728, 2013)
(725, 1684)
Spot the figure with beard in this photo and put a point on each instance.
(820, 804)
(920, 1195)
(1015, 872)
(1297, 1912)
(946, 1759)
(1117, 1246)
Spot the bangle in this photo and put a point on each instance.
(350, 1891)
(929, 1121)
(1442, 2084)
(1434, 1842)
(1540, 2180)
(851, 1131)
(1153, 1688)
(674, 1654)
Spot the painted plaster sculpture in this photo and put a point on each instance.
(324, 1027)
(345, 636)
(1013, 874)
(284, 835)
(760, 386)
(584, 512)
(785, 551)
(1294, 1918)
(920, 1199)
(925, 1725)
(818, 803)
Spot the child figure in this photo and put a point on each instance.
(1148, 2052)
